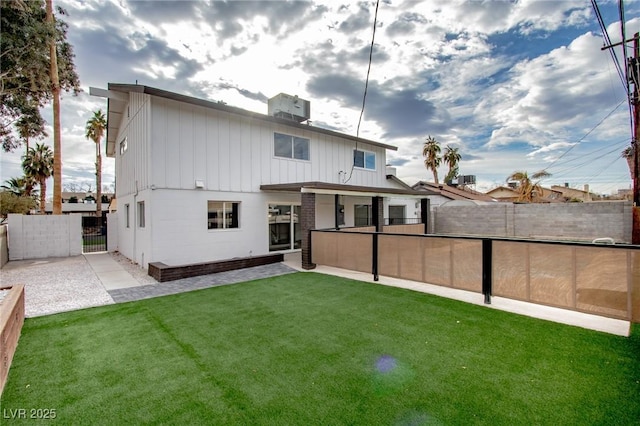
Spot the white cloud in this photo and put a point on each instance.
(439, 67)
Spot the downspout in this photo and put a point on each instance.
(135, 221)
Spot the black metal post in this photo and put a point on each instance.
(106, 232)
(424, 213)
(487, 253)
(374, 257)
(336, 210)
(377, 213)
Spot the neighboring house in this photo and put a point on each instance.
(442, 193)
(80, 197)
(86, 209)
(504, 194)
(79, 202)
(510, 194)
(573, 193)
(624, 194)
(199, 181)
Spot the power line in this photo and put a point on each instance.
(586, 134)
(366, 86)
(587, 161)
(607, 40)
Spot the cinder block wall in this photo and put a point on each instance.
(112, 232)
(36, 237)
(4, 248)
(577, 221)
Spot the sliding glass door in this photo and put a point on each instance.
(284, 227)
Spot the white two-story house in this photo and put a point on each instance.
(200, 181)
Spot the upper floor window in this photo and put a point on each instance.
(364, 159)
(287, 146)
(123, 146)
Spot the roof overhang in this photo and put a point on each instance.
(116, 103)
(118, 97)
(341, 189)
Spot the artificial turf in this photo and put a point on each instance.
(307, 348)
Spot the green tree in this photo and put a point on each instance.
(38, 163)
(528, 190)
(25, 63)
(94, 131)
(431, 154)
(12, 203)
(451, 157)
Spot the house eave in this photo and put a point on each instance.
(342, 189)
(115, 101)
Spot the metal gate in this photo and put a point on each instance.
(94, 233)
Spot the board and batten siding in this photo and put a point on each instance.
(133, 165)
(230, 152)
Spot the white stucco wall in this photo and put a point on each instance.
(176, 231)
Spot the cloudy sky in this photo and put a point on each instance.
(515, 85)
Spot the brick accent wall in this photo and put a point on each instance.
(307, 223)
(163, 273)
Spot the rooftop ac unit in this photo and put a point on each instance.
(467, 179)
(289, 107)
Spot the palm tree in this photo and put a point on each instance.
(38, 164)
(96, 126)
(20, 186)
(431, 154)
(527, 189)
(31, 126)
(451, 157)
(628, 154)
(55, 92)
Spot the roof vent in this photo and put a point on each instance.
(289, 107)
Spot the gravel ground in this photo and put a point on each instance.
(136, 271)
(55, 284)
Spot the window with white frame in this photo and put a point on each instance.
(364, 159)
(123, 146)
(361, 215)
(285, 232)
(223, 214)
(126, 214)
(287, 146)
(141, 214)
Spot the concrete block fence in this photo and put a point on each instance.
(571, 221)
(42, 236)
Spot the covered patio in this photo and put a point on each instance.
(314, 214)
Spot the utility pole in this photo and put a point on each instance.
(634, 74)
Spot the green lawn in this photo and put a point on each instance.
(93, 240)
(307, 348)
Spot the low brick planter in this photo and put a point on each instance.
(11, 321)
(162, 272)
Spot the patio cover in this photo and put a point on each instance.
(342, 189)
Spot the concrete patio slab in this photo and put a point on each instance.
(109, 272)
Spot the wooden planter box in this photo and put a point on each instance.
(11, 320)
